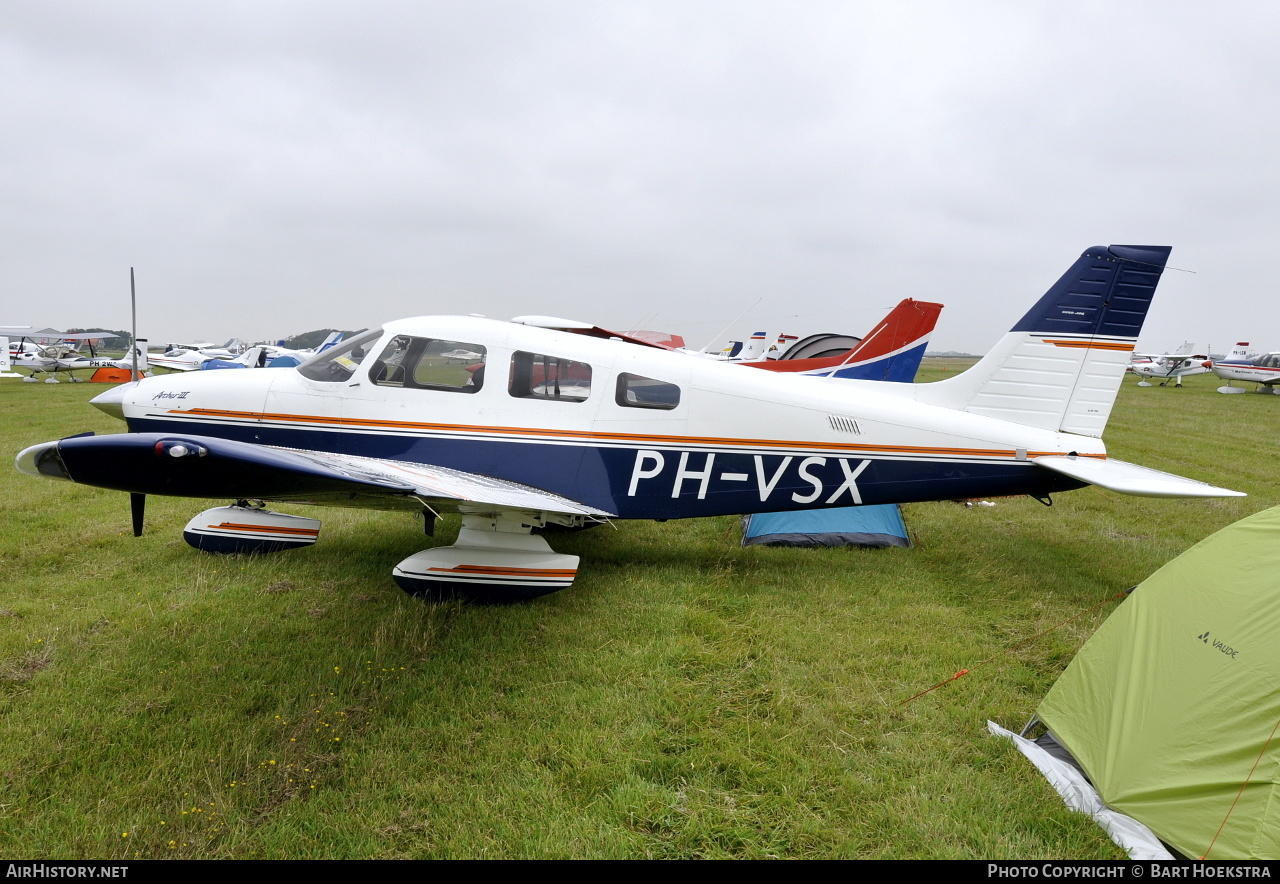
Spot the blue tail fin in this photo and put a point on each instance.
(1105, 294)
(1059, 368)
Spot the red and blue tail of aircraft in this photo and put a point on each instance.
(890, 352)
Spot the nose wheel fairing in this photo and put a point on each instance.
(247, 529)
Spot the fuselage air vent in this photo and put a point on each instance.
(843, 424)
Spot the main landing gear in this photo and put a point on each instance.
(495, 558)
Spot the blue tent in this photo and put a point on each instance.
(874, 526)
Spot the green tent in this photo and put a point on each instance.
(1171, 709)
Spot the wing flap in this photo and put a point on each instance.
(1128, 478)
(445, 484)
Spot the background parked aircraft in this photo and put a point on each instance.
(270, 356)
(189, 357)
(48, 352)
(1189, 359)
(890, 352)
(1243, 364)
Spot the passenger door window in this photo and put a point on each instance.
(538, 376)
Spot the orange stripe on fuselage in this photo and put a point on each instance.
(233, 526)
(589, 436)
(515, 572)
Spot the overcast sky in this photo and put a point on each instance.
(273, 167)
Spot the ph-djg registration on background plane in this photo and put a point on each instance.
(548, 426)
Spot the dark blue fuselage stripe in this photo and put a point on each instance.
(602, 477)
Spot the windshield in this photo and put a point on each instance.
(338, 363)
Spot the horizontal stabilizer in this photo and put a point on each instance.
(1128, 478)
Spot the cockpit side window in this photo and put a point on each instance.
(389, 369)
(538, 376)
(339, 363)
(429, 364)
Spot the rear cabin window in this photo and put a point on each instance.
(429, 364)
(635, 391)
(537, 376)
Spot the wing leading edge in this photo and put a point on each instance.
(203, 466)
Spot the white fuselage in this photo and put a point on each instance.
(1263, 370)
(734, 440)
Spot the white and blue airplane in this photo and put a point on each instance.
(269, 356)
(571, 429)
(190, 357)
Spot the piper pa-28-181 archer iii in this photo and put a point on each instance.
(571, 429)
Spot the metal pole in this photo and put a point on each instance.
(133, 330)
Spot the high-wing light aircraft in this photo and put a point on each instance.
(569, 428)
(49, 352)
(1188, 359)
(1243, 364)
(94, 361)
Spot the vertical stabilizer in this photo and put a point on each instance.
(1059, 368)
(755, 347)
(890, 352)
(1242, 352)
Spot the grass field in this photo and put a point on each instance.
(685, 698)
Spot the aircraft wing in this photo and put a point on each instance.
(203, 466)
(174, 364)
(1128, 478)
(87, 336)
(450, 487)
